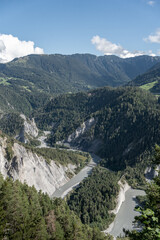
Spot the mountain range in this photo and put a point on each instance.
(28, 82)
(122, 116)
(95, 104)
(149, 81)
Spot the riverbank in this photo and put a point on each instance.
(121, 196)
(120, 199)
(125, 203)
(73, 182)
(126, 214)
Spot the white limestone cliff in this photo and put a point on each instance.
(120, 199)
(79, 139)
(121, 195)
(82, 129)
(30, 126)
(151, 172)
(28, 167)
(85, 126)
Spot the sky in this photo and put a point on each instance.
(125, 28)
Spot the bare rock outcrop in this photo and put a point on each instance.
(81, 140)
(120, 199)
(81, 130)
(30, 126)
(27, 166)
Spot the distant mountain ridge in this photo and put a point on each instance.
(149, 80)
(29, 82)
(85, 69)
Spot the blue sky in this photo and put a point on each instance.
(121, 27)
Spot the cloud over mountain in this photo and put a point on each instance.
(109, 48)
(153, 38)
(11, 47)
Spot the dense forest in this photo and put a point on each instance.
(149, 218)
(127, 118)
(29, 82)
(94, 197)
(149, 81)
(126, 124)
(15, 98)
(28, 214)
(11, 123)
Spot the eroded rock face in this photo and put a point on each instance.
(3, 160)
(151, 172)
(81, 130)
(30, 126)
(79, 138)
(28, 167)
(121, 195)
(29, 129)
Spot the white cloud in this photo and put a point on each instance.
(155, 38)
(11, 47)
(151, 3)
(109, 48)
(150, 53)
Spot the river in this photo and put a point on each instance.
(126, 214)
(66, 188)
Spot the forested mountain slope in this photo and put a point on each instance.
(95, 197)
(27, 83)
(149, 80)
(77, 71)
(28, 214)
(125, 123)
(119, 124)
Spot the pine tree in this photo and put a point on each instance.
(150, 215)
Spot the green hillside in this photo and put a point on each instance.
(59, 93)
(58, 73)
(28, 82)
(93, 209)
(14, 98)
(28, 214)
(149, 81)
(127, 123)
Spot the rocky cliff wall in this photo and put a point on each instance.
(28, 167)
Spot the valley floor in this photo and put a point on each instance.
(65, 189)
(125, 206)
(126, 213)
